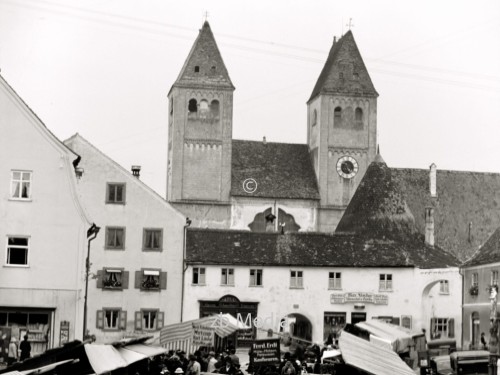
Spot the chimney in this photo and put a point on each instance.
(79, 172)
(136, 169)
(432, 181)
(264, 140)
(429, 226)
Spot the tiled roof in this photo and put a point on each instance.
(211, 246)
(488, 253)
(344, 58)
(281, 170)
(378, 208)
(466, 209)
(204, 65)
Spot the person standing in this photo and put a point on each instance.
(25, 348)
(12, 356)
(193, 368)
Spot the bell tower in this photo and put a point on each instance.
(200, 129)
(342, 128)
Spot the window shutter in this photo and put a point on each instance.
(433, 327)
(100, 275)
(163, 280)
(451, 328)
(138, 320)
(395, 320)
(159, 321)
(100, 319)
(123, 320)
(125, 278)
(138, 279)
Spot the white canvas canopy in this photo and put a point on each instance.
(400, 338)
(186, 336)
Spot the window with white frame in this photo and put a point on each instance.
(17, 251)
(112, 278)
(115, 193)
(442, 328)
(152, 239)
(385, 282)
(115, 238)
(494, 277)
(20, 185)
(444, 287)
(296, 280)
(334, 280)
(149, 319)
(111, 319)
(199, 276)
(227, 276)
(150, 280)
(255, 277)
(475, 279)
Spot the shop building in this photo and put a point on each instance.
(376, 266)
(136, 260)
(43, 231)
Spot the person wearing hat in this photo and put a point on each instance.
(194, 367)
(12, 355)
(179, 370)
(211, 362)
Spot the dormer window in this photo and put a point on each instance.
(196, 69)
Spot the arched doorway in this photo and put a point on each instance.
(475, 328)
(297, 326)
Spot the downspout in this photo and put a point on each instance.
(463, 291)
(184, 266)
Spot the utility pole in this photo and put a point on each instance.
(91, 235)
(493, 344)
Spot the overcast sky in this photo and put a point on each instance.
(103, 68)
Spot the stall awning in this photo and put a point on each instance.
(401, 339)
(370, 357)
(104, 358)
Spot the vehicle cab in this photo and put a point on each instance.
(470, 362)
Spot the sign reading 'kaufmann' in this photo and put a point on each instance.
(353, 297)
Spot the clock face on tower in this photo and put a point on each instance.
(347, 167)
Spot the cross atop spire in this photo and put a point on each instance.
(350, 24)
(205, 16)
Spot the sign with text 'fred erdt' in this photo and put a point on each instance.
(265, 352)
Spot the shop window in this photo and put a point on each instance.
(442, 328)
(227, 276)
(151, 280)
(193, 106)
(115, 193)
(333, 324)
(17, 251)
(198, 276)
(334, 280)
(152, 239)
(444, 287)
(255, 277)
(296, 280)
(385, 282)
(111, 319)
(149, 320)
(115, 238)
(20, 185)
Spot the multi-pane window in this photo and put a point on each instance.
(334, 280)
(149, 319)
(227, 276)
(475, 279)
(296, 280)
(112, 279)
(115, 193)
(406, 321)
(17, 251)
(442, 328)
(150, 279)
(20, 185)
(444, 287)
(152, 239)
(111, 319)
(494, 277)
(255, 277)
(115, 238)
(385, 282)
(198, 276)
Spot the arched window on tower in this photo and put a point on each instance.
(203, 109)
(193, 106)
(337, 117)
(358, 118)
(214, 109)
(314, 117)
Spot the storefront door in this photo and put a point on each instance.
(357, 317)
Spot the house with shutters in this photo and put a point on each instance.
(43, 227)
(309, 285)
(136, 259)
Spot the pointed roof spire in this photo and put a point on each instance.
(204, 65)
(378, 209)
(344, 72)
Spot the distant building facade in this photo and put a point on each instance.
(43, 230)
(137, 258)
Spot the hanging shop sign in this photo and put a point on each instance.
(359, 297)
(202, 335)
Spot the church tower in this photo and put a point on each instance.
(342, 128)
(200, 130)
